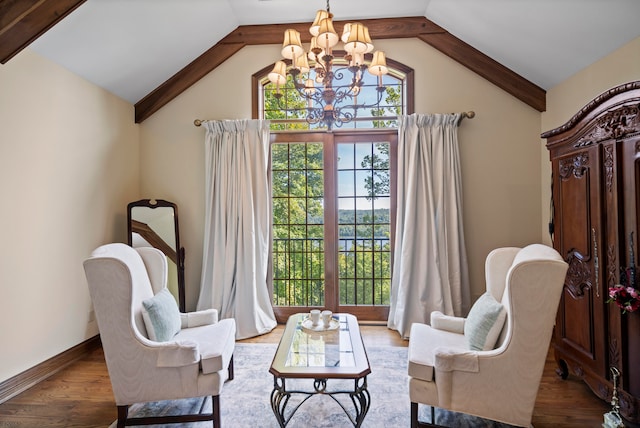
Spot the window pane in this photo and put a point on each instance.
(279, 157)
(298, 224)
(280, 182)
(346, 156)
(346, 204)
(346, 183)
(363, 181)
(362, 152)
(362, 215)
(315, 183)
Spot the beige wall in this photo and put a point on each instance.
(499, 149)
(68, 166)
(564, 100)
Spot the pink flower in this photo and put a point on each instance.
(626, 298)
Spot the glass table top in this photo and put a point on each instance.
(326, 349)
(337, 353)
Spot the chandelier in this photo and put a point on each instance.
(332, 97)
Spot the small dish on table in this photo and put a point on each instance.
(307, 325)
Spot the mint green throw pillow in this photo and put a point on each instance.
(161, 316)
(484, 323)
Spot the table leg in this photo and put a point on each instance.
(279, 399)
(360, 399)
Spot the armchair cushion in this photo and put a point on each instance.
(422, 357)
(484, 323)
(214, 355)
(440, 321)
(198, 318)
(161, 316)
(177, 353)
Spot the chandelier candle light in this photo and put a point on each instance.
(328, 104)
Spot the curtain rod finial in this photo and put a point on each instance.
(197, 122)
(470, 114)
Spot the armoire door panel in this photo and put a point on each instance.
(575, 177)
(578, 214)
(578, 331)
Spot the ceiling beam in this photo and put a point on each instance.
(23, 21)
(388, 28)
(491, 70)
(183, 79)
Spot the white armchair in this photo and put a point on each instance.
(450, 368)
(195, 362)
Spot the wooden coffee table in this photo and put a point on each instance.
(321, 356)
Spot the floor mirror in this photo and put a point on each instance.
(154, 223)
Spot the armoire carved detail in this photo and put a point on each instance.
(612, 266)
(575, 166)
(599, 145)
(620, 122)
(608, 166)
(614, 125)
(628, 403)
(578, 275)
(614, 352)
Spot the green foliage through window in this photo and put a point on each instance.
(298, 224)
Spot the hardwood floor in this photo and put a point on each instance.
(81, 396)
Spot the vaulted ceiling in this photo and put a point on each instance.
(148, 51)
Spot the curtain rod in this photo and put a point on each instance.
(465, 114)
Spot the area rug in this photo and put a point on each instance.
(245, 401)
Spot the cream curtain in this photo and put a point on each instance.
(237, 222)
(430, 263)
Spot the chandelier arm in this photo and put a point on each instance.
(355, 107)
(338, 73)
(343, 117)
(314, 116)
(316, 96)
(341, 95)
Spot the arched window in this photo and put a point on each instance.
(333, 199)
(396, 99)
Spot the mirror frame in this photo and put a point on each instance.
(176, 255)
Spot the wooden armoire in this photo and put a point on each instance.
(595, 160)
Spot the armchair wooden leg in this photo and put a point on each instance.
(215, 408)
(231, 374)
(123, 412)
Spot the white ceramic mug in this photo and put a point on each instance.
(315, 316)
(326, 318)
